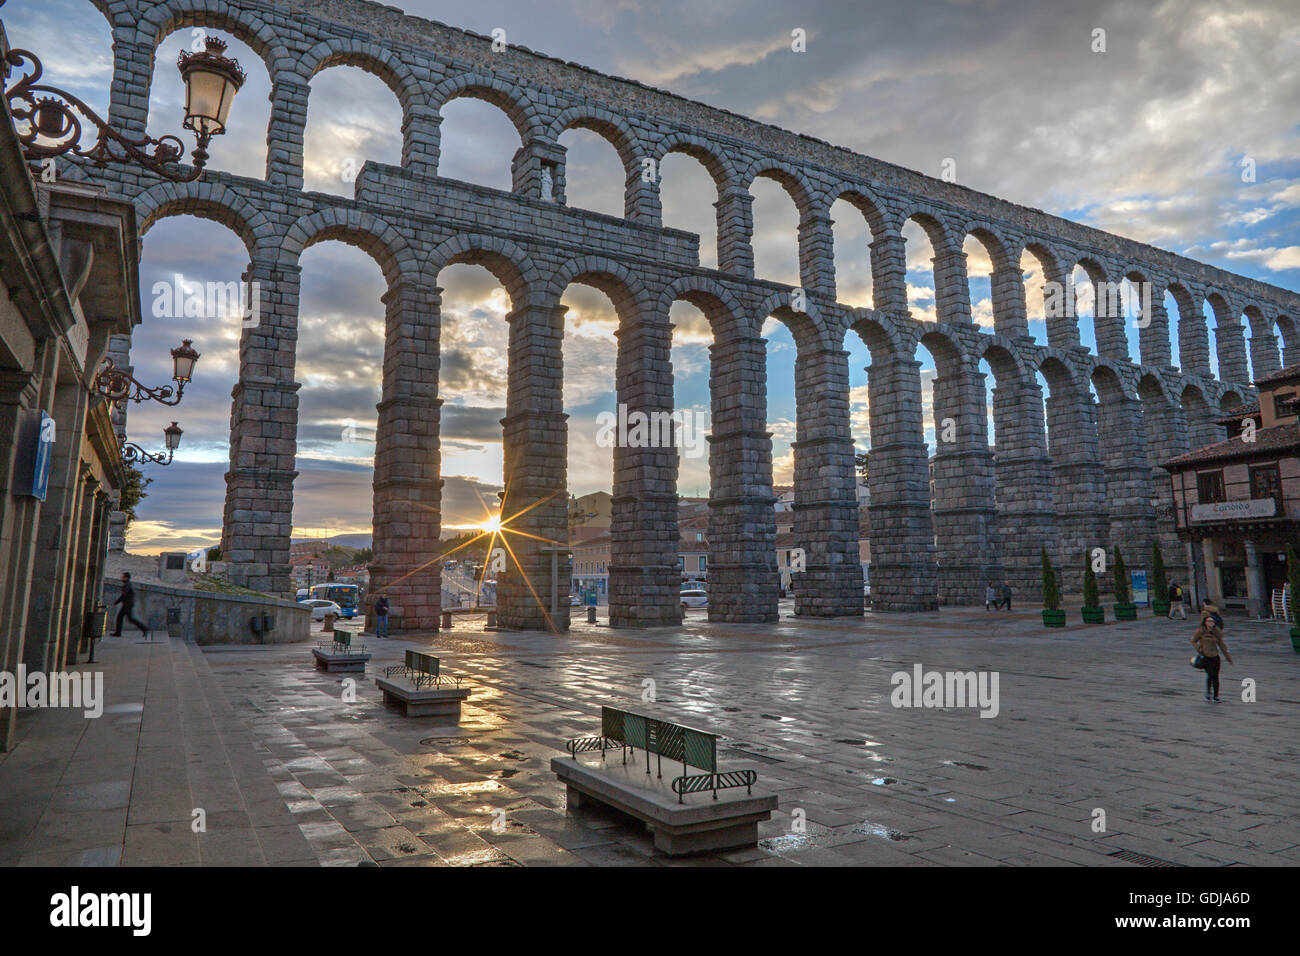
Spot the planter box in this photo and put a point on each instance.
(1126, 612)
(1053, 618)
(1160, 608)
(1093, 615)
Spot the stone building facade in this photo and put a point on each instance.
(68, 264)
(1086, 483)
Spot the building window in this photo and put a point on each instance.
(1209, 487)
(1266, 482)
(704, 563)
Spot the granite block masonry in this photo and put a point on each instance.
(940, 530)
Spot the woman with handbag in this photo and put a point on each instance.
(1208, 641)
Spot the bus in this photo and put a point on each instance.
(346, 596)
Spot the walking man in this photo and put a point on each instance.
(1006, 595)
(127, 600)
(381, 616)
(1176, 601)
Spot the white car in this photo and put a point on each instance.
(694, 599)
(320, 608)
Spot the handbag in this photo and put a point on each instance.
(1198, 662)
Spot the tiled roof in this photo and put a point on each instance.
(1277, 438)
(1237, 414)
(1289, 374)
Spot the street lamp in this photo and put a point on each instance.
(117, 385)
(54, 126)
(133, 453)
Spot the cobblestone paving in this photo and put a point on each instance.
(1110, 718)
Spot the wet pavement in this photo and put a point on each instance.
(291, 770)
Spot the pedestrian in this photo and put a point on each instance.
(127, 600)
(990, 597)
(1208, 608)
(1006, 595)
(381, 616)
(1208, 641)
(1176, 601)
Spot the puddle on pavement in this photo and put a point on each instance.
(967, 766)
(876, 829)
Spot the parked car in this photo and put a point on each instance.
(694, 598)
(320, 608)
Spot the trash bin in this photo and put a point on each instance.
(330, 618)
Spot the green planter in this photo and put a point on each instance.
(1160, 608)
(1125, 612)
(1295, 639)
(1053, 618)
(1093, 615)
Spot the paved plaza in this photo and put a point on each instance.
(288, 773)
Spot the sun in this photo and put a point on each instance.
(492, 525)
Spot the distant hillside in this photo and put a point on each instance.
(342, 540)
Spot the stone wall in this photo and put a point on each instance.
(208, 617)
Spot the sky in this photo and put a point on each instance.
(1150, 137)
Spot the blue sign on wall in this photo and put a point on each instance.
(44, 455)
(1141, 595)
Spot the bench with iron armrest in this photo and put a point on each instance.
(340, 654)
(679, 826)
(420, 669)
(421, 689)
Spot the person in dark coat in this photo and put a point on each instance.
(127, 600)
(381, 616)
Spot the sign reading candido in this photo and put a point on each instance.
(1228, 510)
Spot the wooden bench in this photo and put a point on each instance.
(421, 689)
(682, 819)
(340, 655)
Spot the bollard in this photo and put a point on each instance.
(492, 619)
(329, 622)
(446, 620)
(591, 615)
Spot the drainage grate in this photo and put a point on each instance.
(1141, 859)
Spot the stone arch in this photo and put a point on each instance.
(807, 326)
(161, 20)
(1265, 357)
(964, 511)
(951, 292)
(864, 202)
(364, 230)
(1230, 400)
(1060, 329)
(372, 58)
(514, 101)
(609, 276)
(1022, 468)
(715, 300)
(215, 201)
(791, 178)
(1193, 331)
(1107, 315)
(712, 157)
(1289, 329)
(1006, 285)
(614, 129)
(507, 262)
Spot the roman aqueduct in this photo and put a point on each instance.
(1089, 479)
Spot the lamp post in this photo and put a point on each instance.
(119, 386)
(54, 121)
(133, 453)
